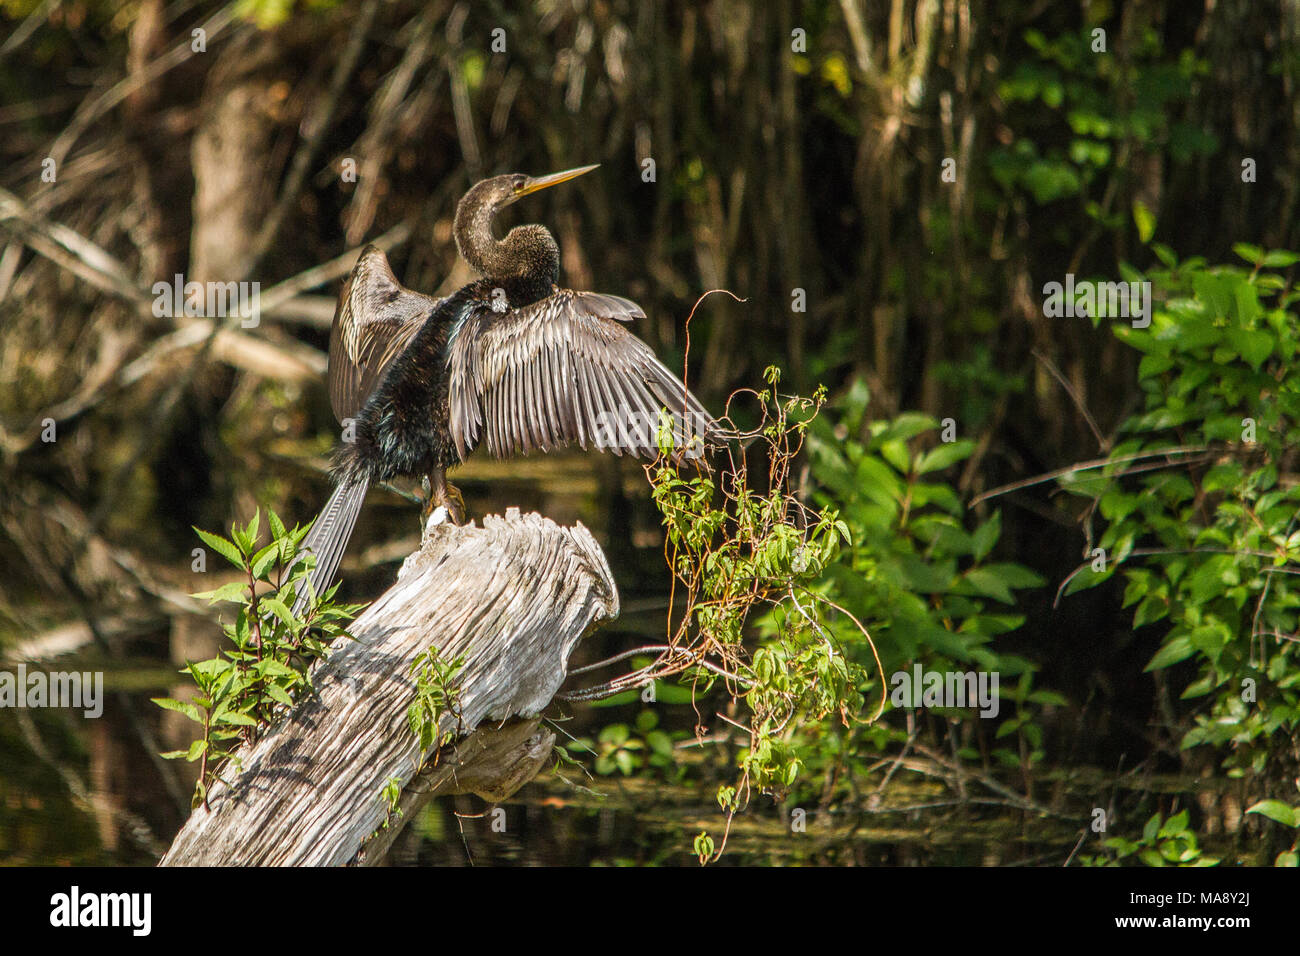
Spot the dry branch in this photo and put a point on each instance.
(512, 599)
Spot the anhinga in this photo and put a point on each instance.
(510, 360)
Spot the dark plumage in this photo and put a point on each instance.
(510, 361)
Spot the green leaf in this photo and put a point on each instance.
(878, 482)
(1015, 575)
(625, 762)
(1151, 828)
(895, 452)
(239, 720)
(1086, 578)
(1165, 255)
(907, 425)
(234, 591)
(1277, 811)
(1145, 220)
(264, 559)
(944, 455)
(1154, 364)
(276, 607)
(986, 535)
(180, 706)
(1253, 345)
(223, 547)
(1174, 650)
(1252, 254)
(1280, 259)
(1175, 824)
(1152, 608)
(990, 584)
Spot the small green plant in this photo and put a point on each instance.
(1162, 843)
(747, 545)
(243, 689)
(738, 545)
(704, 848)
(435, 694)
(627, 750)
(391, 795)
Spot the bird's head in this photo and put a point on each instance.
(474, 214)
(500, 191)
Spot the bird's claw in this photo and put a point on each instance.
(455, 505)
(449, 506)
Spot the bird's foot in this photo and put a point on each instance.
(442, 504)
(454, 502)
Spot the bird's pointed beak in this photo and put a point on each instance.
(546, 182)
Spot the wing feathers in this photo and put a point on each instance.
(374, 322)
(560, 371)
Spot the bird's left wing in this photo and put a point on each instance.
(375, 320)
(562, 370)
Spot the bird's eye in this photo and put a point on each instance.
(519, 182)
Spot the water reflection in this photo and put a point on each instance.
(79, 792)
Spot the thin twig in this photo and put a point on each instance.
(1086, 466)
(29, 26)
(1102, 443)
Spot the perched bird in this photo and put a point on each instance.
(509, 360)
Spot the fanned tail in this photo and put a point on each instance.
(328, 537)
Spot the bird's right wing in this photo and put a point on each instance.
(375, 320)
(566, 370)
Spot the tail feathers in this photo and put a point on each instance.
(328, 538)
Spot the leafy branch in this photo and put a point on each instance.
(242, 690)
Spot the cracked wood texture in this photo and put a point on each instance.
(513, 598)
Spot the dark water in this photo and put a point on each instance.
(77, 791)
(127, 815)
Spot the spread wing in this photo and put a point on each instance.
(565, 370)
(375, 320)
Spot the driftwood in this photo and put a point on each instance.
(513, 598)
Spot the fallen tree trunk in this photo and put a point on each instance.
(512, 598)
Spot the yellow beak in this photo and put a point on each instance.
(546, 182)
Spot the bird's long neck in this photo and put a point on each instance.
(526, 263)
(473, 230)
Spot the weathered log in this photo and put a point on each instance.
(512, 598)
